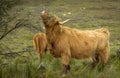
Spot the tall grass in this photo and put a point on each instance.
(53, 68)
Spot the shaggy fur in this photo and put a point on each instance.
(40, 43)
(73, 43)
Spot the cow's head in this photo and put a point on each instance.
(50, 19)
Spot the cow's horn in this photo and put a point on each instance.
(64, 21)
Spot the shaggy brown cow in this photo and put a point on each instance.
(72, 43)
(40, 43)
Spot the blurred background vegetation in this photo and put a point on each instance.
(20, 20)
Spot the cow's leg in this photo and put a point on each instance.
(65, 61)
(95, 60)
(104, 54)
(66, 68)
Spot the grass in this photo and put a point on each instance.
(85, 14)
(79, 69)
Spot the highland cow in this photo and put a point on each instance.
(70, 43)
(40, 43)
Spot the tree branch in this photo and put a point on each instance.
(16, 26)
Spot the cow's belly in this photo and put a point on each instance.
(83, 54)
(83, 51)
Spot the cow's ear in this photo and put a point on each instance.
(57, 22)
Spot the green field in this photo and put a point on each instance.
(84, 14)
